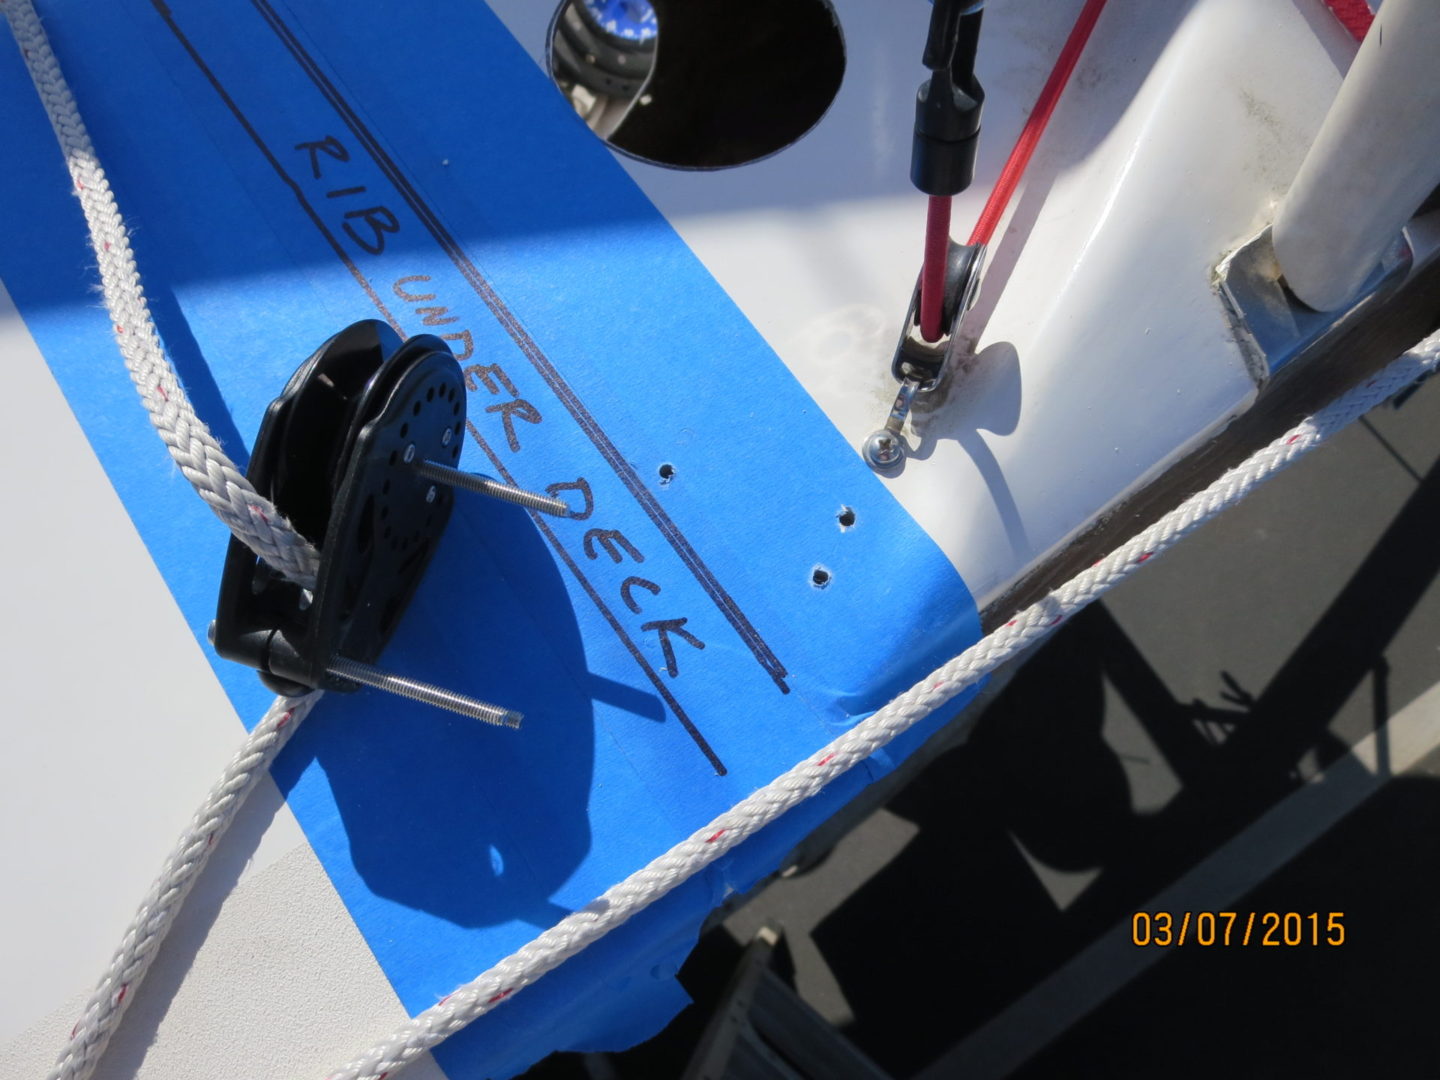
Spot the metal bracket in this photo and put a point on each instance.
(1274, 328)
(919, 365)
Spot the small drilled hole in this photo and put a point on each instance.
(455, 409)
(384, 512)
(455, 451)
(667, 473)
(820, 577)
(404, 430)
(846, 517)
(450, 393)
(394, 456)
(385, 487)
(429, 395)
(415, 409)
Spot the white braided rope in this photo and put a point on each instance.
(257, 523)
(248, 515)
(182, 868)
(645, 886)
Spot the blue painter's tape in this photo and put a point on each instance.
(290, 169)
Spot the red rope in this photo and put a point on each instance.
(932, 276)
(937, 220)
(1035, 125)
(1354, 15)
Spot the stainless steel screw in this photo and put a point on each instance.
(345, 668)
(883, 449)
(483, 485)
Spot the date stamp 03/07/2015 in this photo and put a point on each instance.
(1162, 929)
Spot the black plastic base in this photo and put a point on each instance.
(335, 454)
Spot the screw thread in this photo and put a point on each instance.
(483, 485)
(355, 671)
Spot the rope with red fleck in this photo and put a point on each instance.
(201, 458)
(642, 888)
(156, 913)
(249, 515)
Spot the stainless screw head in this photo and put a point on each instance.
(409, 453)
(446, 436)
(430, 495)
(883, 449)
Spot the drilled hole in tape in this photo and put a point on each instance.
(698, 85)
(846, 517)
(667, 473)
(820, 577)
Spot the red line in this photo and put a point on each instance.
(1035, 125)
(932, 276)
(1354, 15)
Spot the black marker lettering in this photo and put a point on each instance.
(581, 485)
(666, 627)
(467, 352)
(628, 584)
(409, 297)
(381, 221)
(508, 411)
(609, 539)
(330, 146)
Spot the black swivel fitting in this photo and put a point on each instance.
(947, 108)
(336, 454)
(359, 453)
